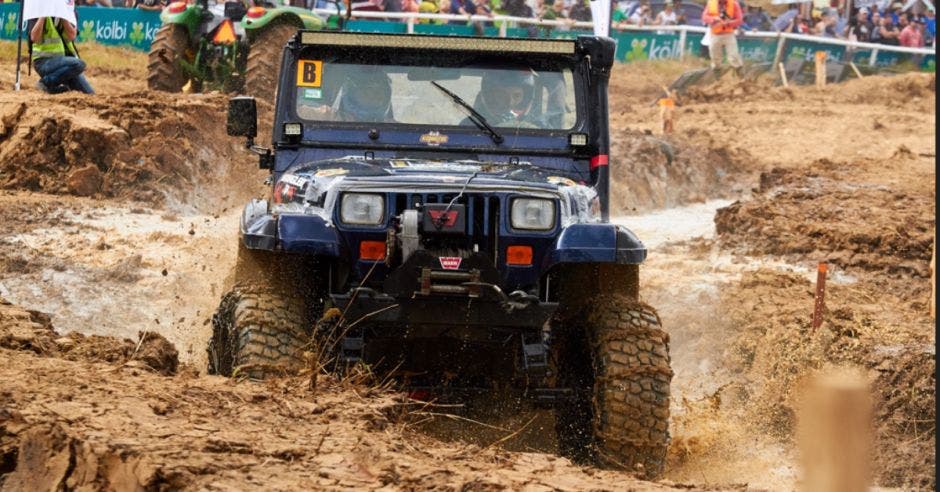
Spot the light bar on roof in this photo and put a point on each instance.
(565, 47)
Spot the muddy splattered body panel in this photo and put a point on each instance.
(442, 183)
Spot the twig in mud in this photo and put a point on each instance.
(510, 436)
(465, 419)
(365, 279)
(330, 346)
(322, 438)
(140, 341)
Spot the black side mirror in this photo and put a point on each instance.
(242, 117)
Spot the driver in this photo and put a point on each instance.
(506, 96)
(364, 95)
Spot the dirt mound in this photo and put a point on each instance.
(147, 147)
(32, 331)
(905, 90)
(825, 214)
(729, 88)
(776, 348)
(64, 424)
(650, 172)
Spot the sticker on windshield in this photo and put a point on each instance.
(433, 139)
(313, 93)
(309, 73)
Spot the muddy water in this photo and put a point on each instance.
(682, 277)
(117, 270)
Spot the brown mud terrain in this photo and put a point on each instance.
(120, 226)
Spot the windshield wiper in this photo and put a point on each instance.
(475, 116)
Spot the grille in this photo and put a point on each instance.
(482, 224)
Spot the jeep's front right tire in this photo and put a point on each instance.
(616, 359)
(256, 334)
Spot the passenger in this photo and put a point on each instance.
(366, 98)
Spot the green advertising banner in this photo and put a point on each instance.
(757, 50)
(806, 50)
(133, 28)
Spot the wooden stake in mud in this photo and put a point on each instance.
(820, 296)
(858, 73)
(783, 74)
(834, 432)
(821, 68)
(933, 278)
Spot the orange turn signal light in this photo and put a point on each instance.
(519, 255)
(176, 7)
(255, 12)
(225, 34)
(372, 250)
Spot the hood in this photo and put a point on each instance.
(430, 172)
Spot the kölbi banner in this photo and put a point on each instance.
(600, 15)
(63, 9)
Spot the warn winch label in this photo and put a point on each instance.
(450, 262)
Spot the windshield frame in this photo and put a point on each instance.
(287, 101)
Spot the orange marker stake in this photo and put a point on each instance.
(820, 296)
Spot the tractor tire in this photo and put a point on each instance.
(257, 334)
(170, 45)
(619, 416)
(264, 60)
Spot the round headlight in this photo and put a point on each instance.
(533, 214)
(362, 209)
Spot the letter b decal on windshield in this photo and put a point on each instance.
(309, 73)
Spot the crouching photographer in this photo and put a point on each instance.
(53, 53)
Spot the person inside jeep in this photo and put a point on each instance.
(506, 95)
(364, 95)
(366, 99)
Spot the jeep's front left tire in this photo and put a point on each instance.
(615, 357)
(256, 334)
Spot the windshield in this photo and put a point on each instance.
(507, 96)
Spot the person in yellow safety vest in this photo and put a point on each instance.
(54, 55)
(723, 17)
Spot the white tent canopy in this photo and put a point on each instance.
(63, 9)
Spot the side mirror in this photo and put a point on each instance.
(242, 117)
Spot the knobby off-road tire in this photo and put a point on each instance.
(256, 333)
(264, 60)
(621, 417)
(170, 45)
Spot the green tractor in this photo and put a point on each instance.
(229, 46)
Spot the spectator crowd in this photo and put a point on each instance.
(888, 24)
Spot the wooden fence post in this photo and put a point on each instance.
(821, 68)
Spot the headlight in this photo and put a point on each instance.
(533, 214)
(362, 209)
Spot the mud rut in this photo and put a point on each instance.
(110, 266)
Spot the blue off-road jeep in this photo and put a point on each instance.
(439, 214)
